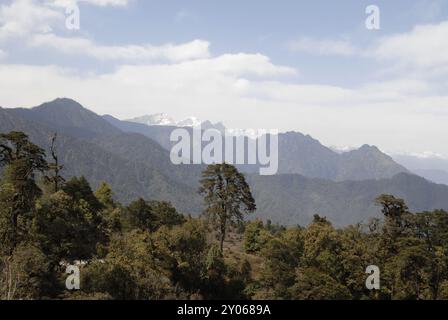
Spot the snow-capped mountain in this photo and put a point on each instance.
(158, 119)
(251, 133)
(162, 119)
(342, 149)
(189, 122)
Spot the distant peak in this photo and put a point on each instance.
(157, 119)
(367, 147)
(61, 103)
(63, 99)
(162, 119)
(294, 133)
(189, 122)
(67, 102)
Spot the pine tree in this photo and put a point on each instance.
(19, 190)
(227, 197)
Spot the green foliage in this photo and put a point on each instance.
(25, 274)
(147, 250)
(151, 215)
(279, 266)
(104, 194)
(255, 236)
(312, 284)
(227, 197)
(70, 223)
(18, 188)
(80, 191)
(129, 271)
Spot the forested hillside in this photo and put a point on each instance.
(86, 152)
(294, 199)
(147, 250)
(135, 165)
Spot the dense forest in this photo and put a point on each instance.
(148, 250)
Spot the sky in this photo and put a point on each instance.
(307, 66)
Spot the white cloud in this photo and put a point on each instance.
(426, 46)
(32, 22)
(423, 51)
(215, 88)
(3, 54)
(102, 3)
(24, 17)
(190, 86)
(195, 49)
(323, 47)
(243, 90)
(238, 65)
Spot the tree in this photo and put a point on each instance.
(215, 270)
(165, 214)
(112, 211)
(22, 159)
(395, 212)
(252, 232)
(67, 229)
(140, 215)
(130, 271)
(396, 224)
(79, 189)
(182, 250)
(312, 284)
(432, 229)
(357, 252)
(322, 247)
(25, 274)
(410, 268)
(54, 179)
(105, 195)
(227, 197)
(279, 265)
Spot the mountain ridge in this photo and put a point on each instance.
(299, 154)
(137, 166)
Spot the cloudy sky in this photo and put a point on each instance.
(309, 66)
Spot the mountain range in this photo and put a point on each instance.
(162, 119)
(134, 159)
(298, 154)
(431, 167)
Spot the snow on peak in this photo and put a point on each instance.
(342, 149)
(189, 122)
(158, 119)
(162, 119)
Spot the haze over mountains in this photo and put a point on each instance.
(298, 154)
(431, 167)
(321, 162)
(134, 159)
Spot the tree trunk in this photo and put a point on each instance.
(222, 241)
(222, 234)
